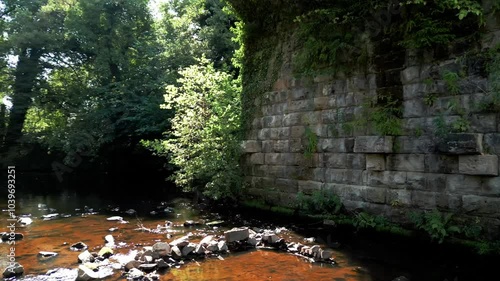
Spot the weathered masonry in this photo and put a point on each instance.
(309, 133)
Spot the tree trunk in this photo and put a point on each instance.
(27, 70)
(2, 121)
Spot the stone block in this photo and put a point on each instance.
(375, 162)
(373, 144)
(492, 143)
(287, 185)
(309, 187)
(257, 159)
(321, 103)
(335, 175)
(491, 185)
(463, 184)
(413, 91)
(292, 119)
(481, 205)
(462, 143)
(416, 180)
(318, 174)
(435, 163)
(329, 116)
(281, 146)
(406, 162)
(356, 161)
(297, 131)
(272, 121)
(279, 133)
(296, 145)
(435, 182)
(486, 165)
(449, 201)
(411, 144)
(301, 105)
(423, 199)
(335, 160)
(357, 177)
(373, 194)
(272, 158)
(310, 118)
(299, 94)
(257, 123)
(331, 145)
(483, 123)
(394, 179)
(236, 234)
(357, 83)
(251, 146)
(264, 134)
(275, 171)
(414, 108)
(410, 75)
(397, 197)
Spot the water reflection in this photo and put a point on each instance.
(84, 219)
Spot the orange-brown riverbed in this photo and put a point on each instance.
(87, 222)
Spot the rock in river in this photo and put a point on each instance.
(78, 246)
(11, 236)
(236, 234)
(13, 270)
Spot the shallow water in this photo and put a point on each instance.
(86, 221)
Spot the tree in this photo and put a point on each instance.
(111, 88)
(33, 31)
(204, 140)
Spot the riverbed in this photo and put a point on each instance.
(83, 218)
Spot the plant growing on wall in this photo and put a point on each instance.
(437, 225)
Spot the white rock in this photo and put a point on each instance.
(115, 218)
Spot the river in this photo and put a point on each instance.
(83, 217)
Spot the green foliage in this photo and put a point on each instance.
(311, 142)
(365, 220)
(383, 115)
(320, 202)
(429, 24)
(430, 99)
(437, 225)
(204, 142)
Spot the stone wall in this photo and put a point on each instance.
(419, 169)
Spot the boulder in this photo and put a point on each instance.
(11, 236)
(162, 248)
(25, 221)
(131, 264)
(13, 270)
(85, 274)
(109, 239)
(45, 254)
(105, 252)
(161, 264)
(50, 216)
(115, 218)
(148, 267)
(135, 273)
(85, 256)
(199, 250)
(213, 246)
(176, 252)
(206, 240)
(186, 250)
(180, 242)
(222, 246)
(78, 246)
(236, 234)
